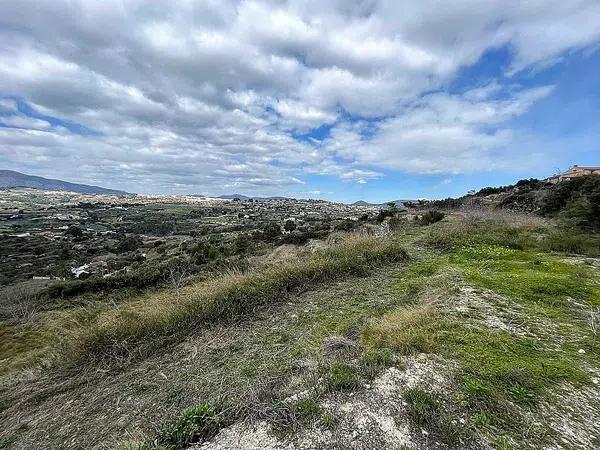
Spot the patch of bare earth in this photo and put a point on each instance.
(373, 417)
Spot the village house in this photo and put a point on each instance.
(573, 172)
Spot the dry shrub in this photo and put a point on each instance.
(18, 303)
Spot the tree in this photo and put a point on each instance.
(289, 225)
(128, 244)
(271, 231)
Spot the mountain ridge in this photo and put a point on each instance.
(14, 179)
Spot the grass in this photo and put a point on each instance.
(195, 424)
(226, 338)
(499, 372)
(406, 330)
(133, 328)
(342, 377)
(426, 411)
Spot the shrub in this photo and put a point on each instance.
(431, 216)
(289, 225)
(203, 252)
(128, 244)
(271, 231)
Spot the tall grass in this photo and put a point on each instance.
(138, 327)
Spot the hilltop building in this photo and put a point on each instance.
(573, 172)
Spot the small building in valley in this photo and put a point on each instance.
(574, 172)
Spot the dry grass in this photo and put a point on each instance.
(133, 329)
(407, 330)
(473, 215)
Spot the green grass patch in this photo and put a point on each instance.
(195, 424)
(342, 377)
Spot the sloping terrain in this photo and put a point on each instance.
(474, 332)
(10, 179)
(575, 202)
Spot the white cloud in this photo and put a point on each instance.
(440, 133)
(210, 94)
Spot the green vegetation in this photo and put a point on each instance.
(195, 424)
(123, 330)
(342, 377)
(499, 371)
(425, 410)
(576, 202)
(431, 216)
(500, 308)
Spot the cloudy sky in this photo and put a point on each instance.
(342, 99)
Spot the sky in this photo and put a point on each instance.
(341, 100)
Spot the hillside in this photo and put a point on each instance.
(478, 331)
(10, 179)
(576, 201)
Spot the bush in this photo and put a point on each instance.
(289, 225)
(271, 231)
(128, 244)
(431, 216)
(203, 252)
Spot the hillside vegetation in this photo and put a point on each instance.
(575, 202)
(474, 329)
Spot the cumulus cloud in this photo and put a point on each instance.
(439, 133)
(212, 96)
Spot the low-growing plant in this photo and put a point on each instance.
(425, 410)
(342, 377)
(375, 360)
(195, 424)
(407, 330)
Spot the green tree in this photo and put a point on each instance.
(289, 225)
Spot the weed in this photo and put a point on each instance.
(307, 408)
(520, 394)
(374, 361)
(502, 443)
(289, 416)
(328, 419)
(195, 424)
(425, 410)
(482, 420)
(341, 377)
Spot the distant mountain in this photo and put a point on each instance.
(232, 196)
(11, 179)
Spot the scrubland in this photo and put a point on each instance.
(478, 330)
